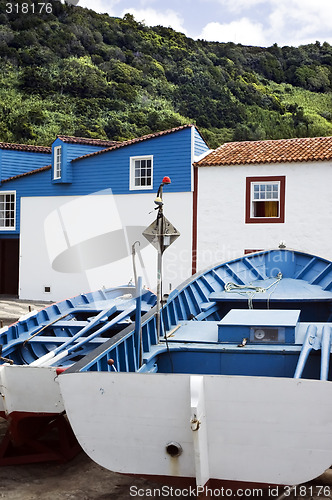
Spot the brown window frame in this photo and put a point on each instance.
(266, 220)
(247, 251)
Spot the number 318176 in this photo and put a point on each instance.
(28, 8)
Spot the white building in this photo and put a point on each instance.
(258, 195)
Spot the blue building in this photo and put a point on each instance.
(15, 159)
(70, 214)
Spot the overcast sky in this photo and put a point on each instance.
(250, 22)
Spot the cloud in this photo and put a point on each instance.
(250, 22)
(300, 21)
(241, 5)
(242, 31)
(152, 17)
(100, 6)
(264, 22)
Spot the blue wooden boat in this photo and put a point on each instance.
(41, 345)
(237, 388)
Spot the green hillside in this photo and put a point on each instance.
(72, 71)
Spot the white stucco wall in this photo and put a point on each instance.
(222, 231)
(77, 244)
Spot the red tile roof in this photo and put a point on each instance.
(86, 140)
(25, 147)
(36, 171)
(276, 151)
(135, 141)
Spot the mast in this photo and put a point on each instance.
(161, 234)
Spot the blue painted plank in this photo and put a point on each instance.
(302, 272)
(13, 162)
(200, 145)
(248, 262)
(323, 274)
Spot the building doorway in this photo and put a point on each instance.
(9, 266)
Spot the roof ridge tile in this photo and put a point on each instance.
(30, 172)
(270, 151)
(135, 140)
(25, 147)
(86, 140)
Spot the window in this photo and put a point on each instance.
(141, 172)
(57, 162)
(7, 211)
(265, 199)
(250, 250)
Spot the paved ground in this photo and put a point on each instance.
(11, 309)
(82, 479)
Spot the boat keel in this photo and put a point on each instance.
(37, 438)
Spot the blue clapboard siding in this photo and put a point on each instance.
(69, 152)
(14, 162)
(111, 170)
(171, 156)
(200, 145)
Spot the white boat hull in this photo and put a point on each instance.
(27, 389)
(230, 428)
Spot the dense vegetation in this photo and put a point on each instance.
(75, 72)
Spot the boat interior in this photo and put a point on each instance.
(266, 314)
(83, 322)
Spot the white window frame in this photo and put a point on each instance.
(132, 185)
(57, 162)
(3, 194)
(261, 192)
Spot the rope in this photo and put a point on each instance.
(250, 290)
